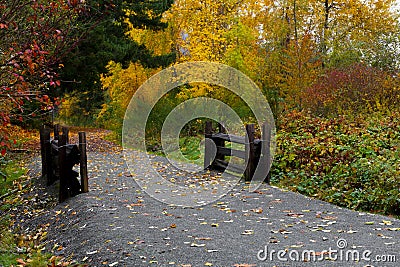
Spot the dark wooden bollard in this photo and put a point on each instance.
(250, 152)
(83, 163)
(65, 131)
(208, 145)
(45, 150)
(44, 136)
(56, 131)
(63, 172)
(220, 143)
(266, 151)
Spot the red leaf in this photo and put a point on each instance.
(3, 151)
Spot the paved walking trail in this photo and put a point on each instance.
(117, 224)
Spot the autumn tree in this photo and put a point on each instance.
(34, 35)
(106, 42)
(302, 39)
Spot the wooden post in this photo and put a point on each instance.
(83, 163)
(56, 131)
(207, 144)
(48, 158)
(221, 128)
(266, 152)
(220, 142)
(65, 131)
(250, 152)
(44, 137)
(62, 155)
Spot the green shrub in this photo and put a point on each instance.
(351, 162)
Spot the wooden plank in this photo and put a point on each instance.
(83, 163)
(230, 138)
(219, 165)
(232, 167)
(62, 155)
(231, 152)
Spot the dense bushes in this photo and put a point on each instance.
(351, 162)
(356, 88)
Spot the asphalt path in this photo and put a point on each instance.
(118, 224)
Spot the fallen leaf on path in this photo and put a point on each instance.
(197, 245)
(257, 210)
(248, 232)
(295, 215)
(203, 238)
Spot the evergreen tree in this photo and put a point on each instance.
(106, 41)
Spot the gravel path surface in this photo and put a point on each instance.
(117, 224)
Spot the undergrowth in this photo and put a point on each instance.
(352, 162)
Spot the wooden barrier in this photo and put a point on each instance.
(256, 151)
(83, 162)
(59, 158)
(62, 170)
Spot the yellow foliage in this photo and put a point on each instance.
(159, 42)
(120, 85)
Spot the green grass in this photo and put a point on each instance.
(191, 148)
(14, 174)
(7, 243)
(16, 247)
(10, 241)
